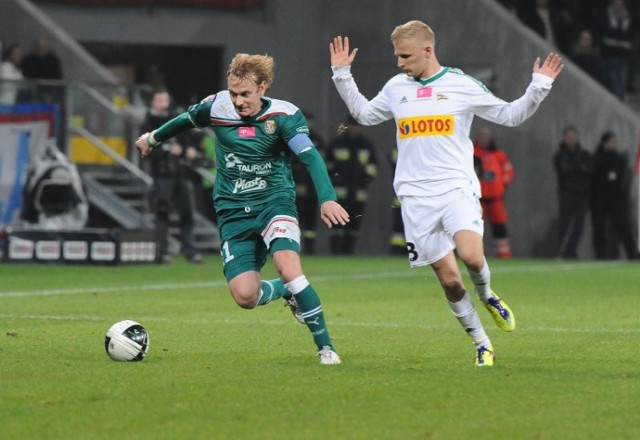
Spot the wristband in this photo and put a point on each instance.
(151, 139)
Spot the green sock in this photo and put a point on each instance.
(311, 310)
(272, 289)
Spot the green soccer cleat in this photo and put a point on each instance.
(485, 357)
(501, 313)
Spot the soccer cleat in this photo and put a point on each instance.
(293, 305)
(501, 313)
(485, 357)
(328, 356)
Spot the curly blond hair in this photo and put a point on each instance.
(256, 67)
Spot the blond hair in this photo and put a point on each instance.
(413, 28)
(259, 68)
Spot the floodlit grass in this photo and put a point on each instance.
(571, 370)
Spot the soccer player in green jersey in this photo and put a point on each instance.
(254, 195)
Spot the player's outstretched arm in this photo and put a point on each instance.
(339, 51)
(551, 67)
(332, 213)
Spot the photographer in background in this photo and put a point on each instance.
(172, 183)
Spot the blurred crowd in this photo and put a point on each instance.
(600, 36)
(40, 63)
(598, 183)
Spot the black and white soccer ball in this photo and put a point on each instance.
(127, 341)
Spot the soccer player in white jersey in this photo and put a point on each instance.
(433, 107)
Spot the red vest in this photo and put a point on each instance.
(497, 171)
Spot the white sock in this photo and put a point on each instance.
(466, 313)
(482, 282)
(297, 285)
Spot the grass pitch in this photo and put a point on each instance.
(571, 370)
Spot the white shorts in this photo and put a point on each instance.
(431, 222)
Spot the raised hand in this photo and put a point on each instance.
(339, 50)
(551, 67)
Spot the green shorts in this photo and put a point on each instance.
(249, 234)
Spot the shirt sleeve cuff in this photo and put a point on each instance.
(341, 72)
(539, 78)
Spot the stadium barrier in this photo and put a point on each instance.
(85, 246)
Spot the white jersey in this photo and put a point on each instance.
(433, 120)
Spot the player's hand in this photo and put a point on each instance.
(339, 50)
(142, 145)
(551, 67)
(332, 213)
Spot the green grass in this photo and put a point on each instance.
(571, 370)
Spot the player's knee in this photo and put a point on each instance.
(472, 259)
(245, 296)
(452, 285)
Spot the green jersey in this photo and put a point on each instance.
(253, 155)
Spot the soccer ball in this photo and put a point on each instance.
(127, 341)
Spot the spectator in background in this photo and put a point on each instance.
(634, 10)
(495, 173)
(573, 167)
(11, 76)
(43, 64)
(587, 56)
(306, 199)
(172, 184)
(352, 164)
(610, 198)
(555, 21)
(617, 32)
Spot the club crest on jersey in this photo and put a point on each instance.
(425, 92)
(437, 125)
(246, 132)
(270, 126)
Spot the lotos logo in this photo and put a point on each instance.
(438, 125)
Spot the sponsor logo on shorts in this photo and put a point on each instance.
(438, 125)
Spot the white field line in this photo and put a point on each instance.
(314, 279)
(287, 322)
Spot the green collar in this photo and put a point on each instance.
(431, 79)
